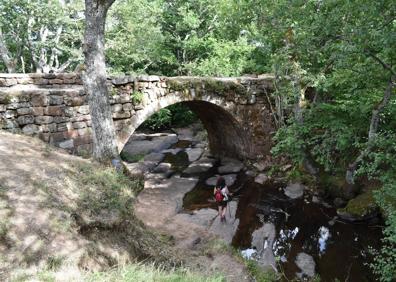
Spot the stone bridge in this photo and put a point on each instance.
(236, 112)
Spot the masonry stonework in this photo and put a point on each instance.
(235, 111)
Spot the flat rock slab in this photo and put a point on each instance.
(194, 154)
(203, 217)
(229, 179)
(156, 144)
(306, 264)
(261, 178)
(172, 151)
(230, 166)
(154, 157)
(185, 133)
(226, 230)
(139, 168)
(295, 190)
(200, 166)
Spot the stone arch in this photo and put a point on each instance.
(224, 131)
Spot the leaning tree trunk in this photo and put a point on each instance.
(375, 115)
(94, 78)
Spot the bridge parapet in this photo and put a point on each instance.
(54, 107)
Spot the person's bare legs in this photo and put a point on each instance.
(223, 215)
(220, 212)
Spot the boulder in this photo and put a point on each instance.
(185, 133)
(162, 168)
(261, 178)
(363, 207)
(306, 264)
(262, 240)
(194, 154)
(200, 166)
(156, 144)
(294, 190)
(229, 179)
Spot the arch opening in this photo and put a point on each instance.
(225, 134)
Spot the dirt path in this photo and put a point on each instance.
(159, 206)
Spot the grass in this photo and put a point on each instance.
(147, 273)
(103, 188)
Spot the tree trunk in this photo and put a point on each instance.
(5, 55)
(375, 115)
(94, 78)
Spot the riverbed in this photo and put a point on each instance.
(308, 237)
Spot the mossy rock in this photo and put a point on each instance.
(362, 207)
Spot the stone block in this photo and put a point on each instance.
(84, 110)
(39, 100)
(24, 111)
(55, 100)
(60, 119)
(65, 126)
(12, 106)
(49, 75)
(37, 111)
(80, 118)
(79, 124)
(8, 82)
(2, 108)
(8, 124)
(25, 80)
(148, 78)
(116, 108)
(55, 81)
(127, 107)
(10, 114)
(27, 119)
(67, 144)
(41, 81)
(30, 129)
(44, 119)
(76, 101)
(54, 110)
(121, 115)
(125, 98)
(48, 127)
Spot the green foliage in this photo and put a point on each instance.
(137, 97)
(381, 164)
(181, 115)
(177, 115)
(258, 273)
(42, 35)
(159, 120)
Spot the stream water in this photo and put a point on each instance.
(340, 249)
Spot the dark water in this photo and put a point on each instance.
(340, 249)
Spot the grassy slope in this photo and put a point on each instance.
(62, 216)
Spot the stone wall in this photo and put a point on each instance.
(54, 107)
